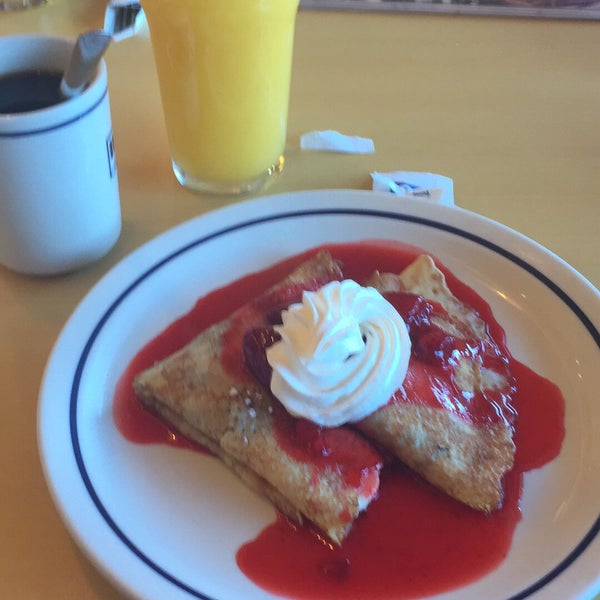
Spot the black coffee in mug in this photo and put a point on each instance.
(24, 91)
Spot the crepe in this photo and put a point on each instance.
(234, 416)
(465, 459)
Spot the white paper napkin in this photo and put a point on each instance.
(334, 141)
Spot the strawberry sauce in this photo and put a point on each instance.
(413, 541)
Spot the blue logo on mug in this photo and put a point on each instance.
(110, 151)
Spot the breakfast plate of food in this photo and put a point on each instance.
(332, 394)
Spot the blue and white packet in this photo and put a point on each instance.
(420, 186)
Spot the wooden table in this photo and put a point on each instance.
(507, 108)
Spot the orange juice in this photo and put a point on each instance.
(224, 74)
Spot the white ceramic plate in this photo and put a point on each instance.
(166, 523)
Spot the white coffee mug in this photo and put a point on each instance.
(59, 194)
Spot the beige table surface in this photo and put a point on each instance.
(509, 109)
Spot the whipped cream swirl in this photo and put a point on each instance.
(344, 351)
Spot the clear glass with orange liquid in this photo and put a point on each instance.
(224, 69)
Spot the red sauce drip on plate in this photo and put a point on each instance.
(413, 541)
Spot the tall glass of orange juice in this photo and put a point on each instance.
(224, 73)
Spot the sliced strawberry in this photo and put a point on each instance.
(255, 344)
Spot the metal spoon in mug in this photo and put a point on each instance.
(119, 22)
(87, 52)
